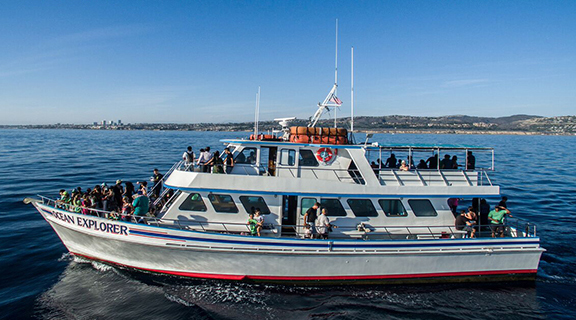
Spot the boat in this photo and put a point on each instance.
(392, 225)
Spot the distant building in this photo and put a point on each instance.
(103, 123)
(119, 122)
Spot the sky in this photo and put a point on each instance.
(203, 61)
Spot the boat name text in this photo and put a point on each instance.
(91, 224)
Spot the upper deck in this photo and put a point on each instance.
(363, 163)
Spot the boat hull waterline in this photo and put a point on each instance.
(262, 259)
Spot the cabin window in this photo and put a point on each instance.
(251, 203)
(422, 208)
(247, 156)
(362, 207)
(307, 159)
(223, 203)
(193, 202)
(287, 157)
(334, 207)
(306, 204)
(393, 208)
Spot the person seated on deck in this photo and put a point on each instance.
(323, 226)
(460, 222)
(251, 158)
(454, 162)
(422, 165)
(432, 162)
(446, 163)
(496, 218)
(259, 221)
(403, 166)
(471, 223)
(252, 225)
(470, 161)
(141, 205)
(390, 162)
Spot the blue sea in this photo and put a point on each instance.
(40, 280)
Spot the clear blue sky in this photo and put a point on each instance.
(202, 61)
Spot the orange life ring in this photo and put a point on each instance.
(324, 154)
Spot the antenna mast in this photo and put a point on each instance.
(331, 99)
(336, 73)
(352, 92)
(257, 114)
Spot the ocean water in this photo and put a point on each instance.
(39, 280)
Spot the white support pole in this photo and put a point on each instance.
(257, 114)
(336, 74)
(352, 93)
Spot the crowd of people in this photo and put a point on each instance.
(121, 201)
(431, 163)
(469, 220)
(208, 161)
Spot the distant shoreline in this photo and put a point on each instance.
(396, 124)
(383, 131)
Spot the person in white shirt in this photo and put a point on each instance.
(323, 224)
(202, 159)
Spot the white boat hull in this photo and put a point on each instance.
(231, 257)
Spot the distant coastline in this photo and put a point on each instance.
(397, 124)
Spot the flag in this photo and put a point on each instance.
(335, 100)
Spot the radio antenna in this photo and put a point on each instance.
(352, 92)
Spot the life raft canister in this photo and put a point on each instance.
(324, 155)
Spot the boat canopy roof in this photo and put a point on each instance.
(370, 146)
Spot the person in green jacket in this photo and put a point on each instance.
(141, 204)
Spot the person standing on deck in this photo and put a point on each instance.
(188, 157)
(470, 161)
(202, 159)
(311, 215)
(141, 204)
(228, 161)
(157, 183)
(496, 218)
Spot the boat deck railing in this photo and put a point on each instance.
(514, 228)
(386, 176)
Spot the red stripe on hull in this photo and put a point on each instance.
(321, 278)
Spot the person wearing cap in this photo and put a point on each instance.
(496, 218)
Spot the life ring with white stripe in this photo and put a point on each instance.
(324, 155)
